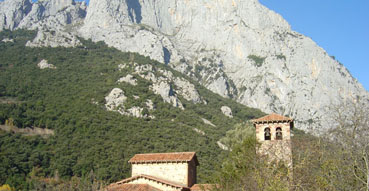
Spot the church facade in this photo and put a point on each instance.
(161, 172)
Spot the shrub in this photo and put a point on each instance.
(281, 57)
(258, 61)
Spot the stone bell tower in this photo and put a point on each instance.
(274, 133)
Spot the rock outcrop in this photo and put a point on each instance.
(44, 64)
(7, 40)
(128, 79)
(162, 85)
(115, 102)
(238, 49)
(207, 122)
(227, 111)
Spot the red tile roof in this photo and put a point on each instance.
(155, 179)
(131, 187)
(272, 118)
(164, 157)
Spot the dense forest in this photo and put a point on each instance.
(88, 140)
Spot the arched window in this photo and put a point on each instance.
(278, 133)
(267, 134)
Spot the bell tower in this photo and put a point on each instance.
(274, 133)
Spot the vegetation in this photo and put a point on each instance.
(87, 137)
(258, 61)
(244, 169)
(6, 188)
(238, 134)
(91, 146)
(337, 160)
(281, 57)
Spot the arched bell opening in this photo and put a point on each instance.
(267, 134)
(278, 133)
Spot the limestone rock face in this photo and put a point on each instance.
(115, 100)
(236, 48)
(12, 12)
(187, 90)
(165, 90)
(55, 20)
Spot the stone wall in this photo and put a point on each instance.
(286, 133)
(192, 176)
(174, 172)
(279, 150)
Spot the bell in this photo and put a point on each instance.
(267, 133)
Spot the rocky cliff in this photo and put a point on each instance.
(55, 20)
(236, 48)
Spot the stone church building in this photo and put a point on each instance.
(161, 172)
(177, 171)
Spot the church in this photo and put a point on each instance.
(274, 133)
(161, 172)
(177, 171)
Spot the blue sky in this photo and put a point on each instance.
(341, 27)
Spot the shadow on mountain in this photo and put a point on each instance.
(134, 10)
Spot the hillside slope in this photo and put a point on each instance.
(104, 107)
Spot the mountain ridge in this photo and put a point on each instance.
(238, 49)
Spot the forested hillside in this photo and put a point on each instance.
(88, 139)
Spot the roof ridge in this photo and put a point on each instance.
(164, 157)
(173, 184)
(163, 153)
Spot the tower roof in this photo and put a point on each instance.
(272, 118)
(164, 157)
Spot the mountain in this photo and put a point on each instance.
(98, 107)
(238, 49)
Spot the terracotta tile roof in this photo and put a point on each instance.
(152, 178)
(202, 187)
(131, 187)
(272, 118)
(164, 157)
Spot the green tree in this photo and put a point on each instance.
(238, 134)
(245, 170)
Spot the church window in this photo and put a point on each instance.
(267, 134)
(278, 134)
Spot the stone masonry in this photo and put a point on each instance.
(273, 132)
